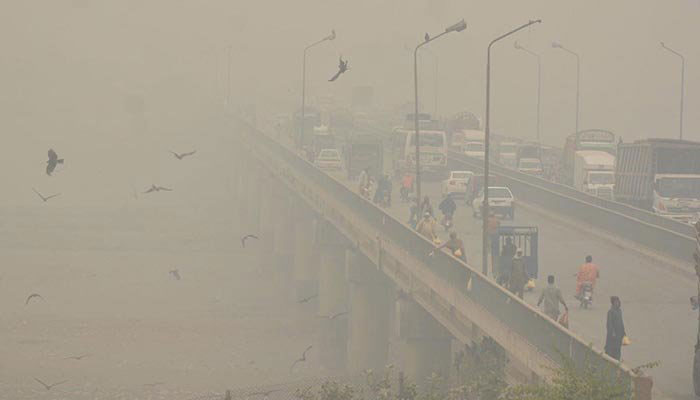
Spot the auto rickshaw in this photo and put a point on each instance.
(524, 238)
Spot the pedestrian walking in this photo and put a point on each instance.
(615, 329)
(551, 296)
(506, 261)
(518, 275)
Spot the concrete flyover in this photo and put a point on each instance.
(381, 257)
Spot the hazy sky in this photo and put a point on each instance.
(104, 81)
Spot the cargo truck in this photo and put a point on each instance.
(589, 139)
(594, 173)
(364, 151)
(661, 175)
(529, 159)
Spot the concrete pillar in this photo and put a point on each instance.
(267, 219)
(284, 238)
(332, 298)
(370, 307)
(305, 256)
(253, 192)
(425, 344)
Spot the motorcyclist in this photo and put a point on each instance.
(587, 273)
(364, 182)
(448, 208)
(406, 186)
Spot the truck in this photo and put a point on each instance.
(433, 144)
(589, 139)
(660, 175)
(594, 173)
(322, 138)
(473, 143)
(507, 154)
(364, 151)
(529, 159)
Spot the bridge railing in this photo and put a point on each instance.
(547, 336)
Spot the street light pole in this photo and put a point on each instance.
(303, 85)
(458, 27)
(663, 45)
(485, 206)
(578, 77)
(229, 49)
(539, 82)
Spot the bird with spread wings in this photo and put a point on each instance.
(342, 68)
(52, 162)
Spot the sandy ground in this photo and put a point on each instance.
(104, 277)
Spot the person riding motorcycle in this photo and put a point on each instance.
(587, 273)
(448, 208)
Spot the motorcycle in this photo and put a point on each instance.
(586, 296)
(447, 222)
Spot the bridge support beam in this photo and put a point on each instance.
(305, 256)
(332, 298)
(370, 309)
(426, 346)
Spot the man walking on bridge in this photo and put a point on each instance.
(551, 295)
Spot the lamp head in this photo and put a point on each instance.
(332, 35)
(556, 45)
(458, 27)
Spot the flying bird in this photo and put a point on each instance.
(307, 299)
(31, 296)
(52, 162)
(155, 188)
(45, 199)
(246, 237)
(183, 155)
(427, 37)
(302, 359)
(342, 67)
(49, 387)
(78, 358)
(333, 316)
(175, 274)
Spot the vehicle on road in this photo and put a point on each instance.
(594, 173)
(456, 184)
(661, 175)
(507, 154)
(364, 151)
(474, 143)
(433, 145)
(501, 202)
(525, 238)
(322, 138)
(529, 159)
(590, 139)
(329, 159)
(586, 297)
(531, 166)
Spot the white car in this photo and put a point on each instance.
(456, 185)
(501, 201)
(329, 159)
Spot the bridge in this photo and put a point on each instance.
(363, 260)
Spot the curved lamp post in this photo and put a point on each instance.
(458, 27)
(303, 84)
(485, 206)
(539, 81)
(663, 45)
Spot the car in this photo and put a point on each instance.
(329, 159)
(501, 202)
(457, 183)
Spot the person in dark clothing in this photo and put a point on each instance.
(413, 218)
(379, 192)
(448, 208)
(506, 261)
(615, 329)
(426, 207)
